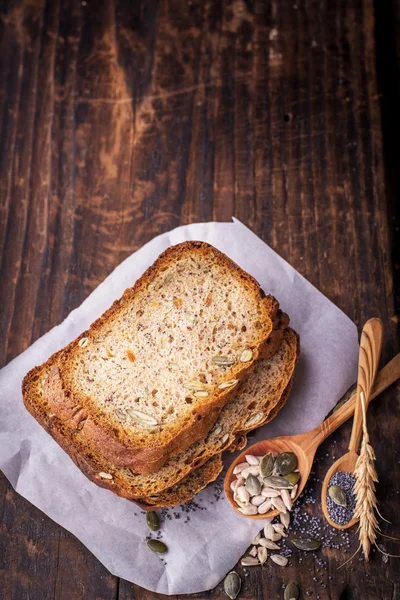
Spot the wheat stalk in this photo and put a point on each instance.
(364, 488)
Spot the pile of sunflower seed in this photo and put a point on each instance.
(265, 483)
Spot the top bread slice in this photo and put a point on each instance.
(145, 381)
(259, 398)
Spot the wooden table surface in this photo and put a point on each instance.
(121, 120)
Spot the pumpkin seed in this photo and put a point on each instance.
(292, 592)
(120, 414)
(232, 585)
(246, 355)
(285, 463)
(157, 546)
(277, 482)
(306, 543)
(228, 384)
(267, 465)
(152, 521)
(337, 495)
(141, 418)
(253, 485)
(293, 477)
(194, 386)
(223, 361)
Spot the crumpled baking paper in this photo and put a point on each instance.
(205, 542)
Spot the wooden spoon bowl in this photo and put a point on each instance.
(305, 445)
(346, 463)
(278, 445)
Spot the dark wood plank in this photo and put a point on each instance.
(120, 120)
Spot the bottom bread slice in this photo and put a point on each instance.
(196, 481)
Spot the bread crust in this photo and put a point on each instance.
(75, 419)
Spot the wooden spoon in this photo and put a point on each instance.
(370, 351)
(305, 445)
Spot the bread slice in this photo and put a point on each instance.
(198, 479)
(143, 383)
(259, 397)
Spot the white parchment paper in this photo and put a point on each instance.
(204, 544)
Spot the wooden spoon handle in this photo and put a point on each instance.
(370, 352)
(385, 378)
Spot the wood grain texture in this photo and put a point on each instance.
(121, 120)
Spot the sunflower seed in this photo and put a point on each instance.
(253, 551)
(268, 531)
(246, 355)
(224, 439)
(83, 342)
(279, 528)
(305, 543)
(252, 460)
(232, 585)
(286, 499)
(120, 414)
(242, 494)
(282, 561)
(105, 475)
(250, 471)
(240, 503)
(294, 492)
(141, 418)
(279, 505)
(257, 538)
(253, 486)
(157, 546)
(239, 468)
(337, 495)
(255, 419)
(216, 430)
(265, 507)
(293, 477)
(194, 386)
(285, 519)
(249, 561)
(223, 361)
(276, 537)
(270, 493)
(262, 555)
(152, 521)
(285, 463)
(248, 510)
(269, 544)
(277, 482)
(228, 384)
(257, 500)
(292, 592)
(201, 394)
(235, 484)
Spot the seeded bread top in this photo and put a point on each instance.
(150, 367)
